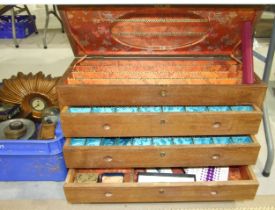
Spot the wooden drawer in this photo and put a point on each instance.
(158, 94)
(159, 124)
(162, 192)
(160, 156)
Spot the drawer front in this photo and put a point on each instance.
(160, 192)
(131, 95)
(159, 124)
(160, 156)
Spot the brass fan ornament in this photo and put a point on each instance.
(34, 93)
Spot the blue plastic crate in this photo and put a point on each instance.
(23, 25)
(33, 160)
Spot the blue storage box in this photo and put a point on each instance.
(33, 160)
(23, 25)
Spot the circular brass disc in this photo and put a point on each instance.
(30, 128)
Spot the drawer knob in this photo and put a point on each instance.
(216, 157)
(161, 191)
(163, 93)
(162, 154)
(213, 192)
(106, 127)
(108, 194)
(108, 158)
(162, 122)
(217, 125)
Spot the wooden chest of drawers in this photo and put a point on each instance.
(135, 56)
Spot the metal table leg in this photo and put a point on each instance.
(58, 18)
(48, 12)
(13, 28)
(31, 18)
(13, 14)
(269, 142)
(46, 26)
(268, 134)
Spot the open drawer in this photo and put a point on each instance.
(158, 94)
(213, 154)
(244, 188)
(160, 123)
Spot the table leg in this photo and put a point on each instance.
(13, 28)
(46, 26)
(268, 134)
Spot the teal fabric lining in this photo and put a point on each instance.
(160, 141)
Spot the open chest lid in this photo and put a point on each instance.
(156, 31)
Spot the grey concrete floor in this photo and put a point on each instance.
(31, 57)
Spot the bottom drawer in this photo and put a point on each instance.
(243, 188)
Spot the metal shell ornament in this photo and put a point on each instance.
(34, 93)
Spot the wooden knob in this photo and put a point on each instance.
(161, 191)
(217, 125)
(162, 154)
(216, 157)
(163, 93)
(106, 127)
(162, 122)
(108, 194)
(213, 192)
(108, 158)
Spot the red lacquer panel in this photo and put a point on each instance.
(150, 30)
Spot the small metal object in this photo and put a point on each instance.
(47, 129)
(108, 158)
(50, 117)
(106, 127)
(161, 191)
(16, 125)
(17, 129)
(216, 157)
(51, 113)
(217, 125)
(8, 111)
(163, 93)
(108, 194)
(86, 178)
(162, 154)
(213, 192)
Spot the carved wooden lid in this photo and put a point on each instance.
(152, 30)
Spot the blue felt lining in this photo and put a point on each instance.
(160, 141)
